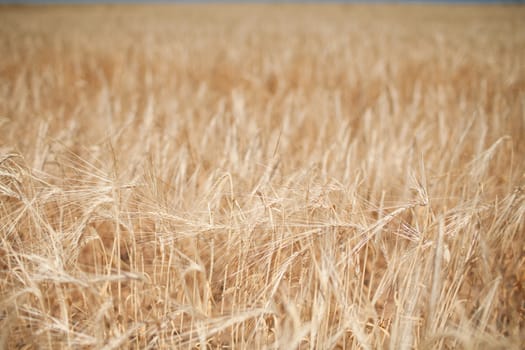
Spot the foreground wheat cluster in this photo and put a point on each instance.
(293, 177)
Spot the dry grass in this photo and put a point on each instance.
(311, 177)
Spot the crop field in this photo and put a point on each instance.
(262, 177)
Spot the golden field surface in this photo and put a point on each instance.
(262, 177)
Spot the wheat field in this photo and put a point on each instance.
(262, 177)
